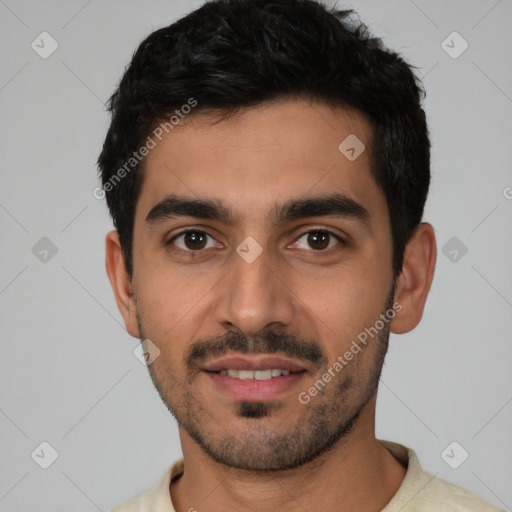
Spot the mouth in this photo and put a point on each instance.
(270, 373)
(254, 378)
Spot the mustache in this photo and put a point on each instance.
(270, 343)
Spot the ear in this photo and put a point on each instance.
(120, 282)
(413, 283)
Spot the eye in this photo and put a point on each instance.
(317, 240)
(193, 240)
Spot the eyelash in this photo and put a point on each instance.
(182, 233)
(337, 237)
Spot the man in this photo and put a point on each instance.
(266, 169)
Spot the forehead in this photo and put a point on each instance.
(264, 155)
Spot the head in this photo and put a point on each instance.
(266, 169)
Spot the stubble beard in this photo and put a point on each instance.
(324, 422)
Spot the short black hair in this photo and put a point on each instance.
(231, 54)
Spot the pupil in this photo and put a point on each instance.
(318, 240)
(195, 240)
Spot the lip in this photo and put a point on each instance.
(254, 390)
(254, 362)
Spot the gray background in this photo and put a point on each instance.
(68, 373)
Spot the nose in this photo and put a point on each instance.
(254, 296)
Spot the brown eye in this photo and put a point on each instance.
(318, 240)
(193, 241)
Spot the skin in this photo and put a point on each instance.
(252, 161)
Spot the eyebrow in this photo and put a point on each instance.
(335, 205)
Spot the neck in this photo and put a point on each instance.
(359, 473)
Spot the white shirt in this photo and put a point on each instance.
(420, 491)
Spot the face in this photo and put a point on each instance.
(261, 253)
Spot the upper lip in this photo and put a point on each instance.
(253, 362)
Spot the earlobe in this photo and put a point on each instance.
(415, 280)
(120, 282)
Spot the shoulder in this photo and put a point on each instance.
(446, 496)
(421, 491)
(156, 499)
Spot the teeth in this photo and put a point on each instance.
(256, 374)
(263, 374)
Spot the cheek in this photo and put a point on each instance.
(173, 305)
(168, 294)
(343, 305)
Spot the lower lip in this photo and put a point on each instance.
(255, 390)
